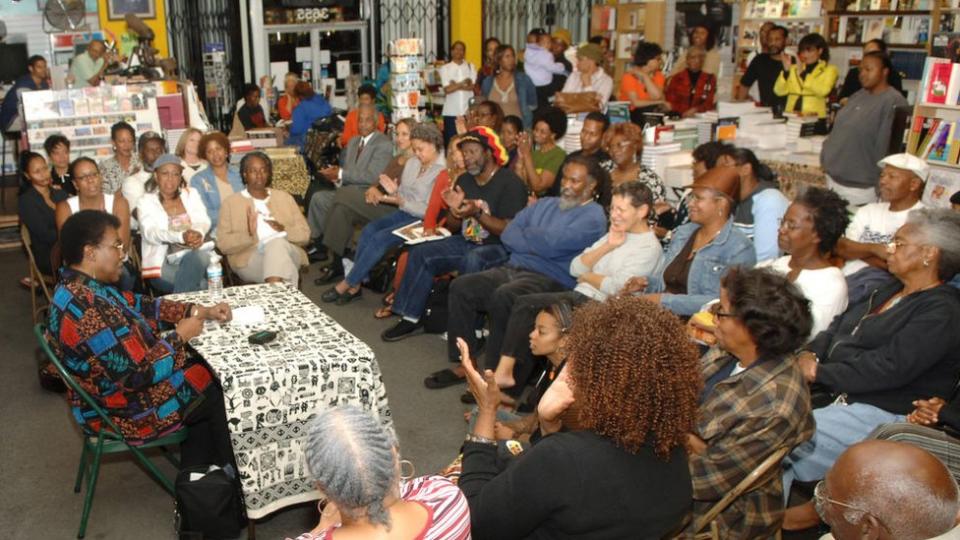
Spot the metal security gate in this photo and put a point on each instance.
(427, 19)
(194, 24)
(510, 20)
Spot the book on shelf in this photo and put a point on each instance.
(946, 45)
(934, 140)
(937, 81)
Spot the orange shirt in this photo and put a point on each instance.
(351, 129)
(630, 83)
(285, 106)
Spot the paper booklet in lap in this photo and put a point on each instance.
(413, 233)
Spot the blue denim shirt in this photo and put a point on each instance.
(730, 248)
(205, 182)
(526, 95)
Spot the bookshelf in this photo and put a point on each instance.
(625, 25)
(85, 115)
(800, 17)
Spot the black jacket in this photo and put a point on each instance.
(888, 360)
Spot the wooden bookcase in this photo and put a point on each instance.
(625, 25)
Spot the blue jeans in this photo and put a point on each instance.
(188, 276)
(375, 239)
(426, 261)
(838, 427)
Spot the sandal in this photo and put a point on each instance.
(389, 298)
(442, 379)
(383, 313)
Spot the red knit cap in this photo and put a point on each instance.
(489, 139)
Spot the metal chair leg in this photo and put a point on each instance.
(81, 469)
(164, 481)
(91, 487)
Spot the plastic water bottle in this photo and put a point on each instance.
(215, 278)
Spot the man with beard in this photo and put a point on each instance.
(481, 204)
(542, 240)
(764, 70)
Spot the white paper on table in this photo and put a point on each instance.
(343, 69)
(324, 57)
(248, 316)
(303, 54)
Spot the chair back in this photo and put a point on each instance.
(108, 427)
(748, 482)
(37, 279)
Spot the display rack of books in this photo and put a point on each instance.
(934, 133)
(902, 24)
(85, 115)
(406, 79)
(799, 17)
(625, 25)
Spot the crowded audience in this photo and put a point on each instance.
(574, 284)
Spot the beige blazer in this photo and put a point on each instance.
(235, 240)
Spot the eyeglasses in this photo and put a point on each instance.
(88, 176)
(820, 500)
(790, 225)
(892, 247)
(118, 245)
(721, 314)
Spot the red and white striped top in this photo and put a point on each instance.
(448, 515)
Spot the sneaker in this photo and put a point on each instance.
(401, 330)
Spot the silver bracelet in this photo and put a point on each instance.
(479, 439)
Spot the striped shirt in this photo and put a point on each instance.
(448, 516)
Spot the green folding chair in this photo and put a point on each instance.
(108, 440)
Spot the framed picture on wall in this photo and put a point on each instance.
(118, 9)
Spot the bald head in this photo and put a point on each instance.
(906, 492)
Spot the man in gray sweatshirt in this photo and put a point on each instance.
(861, 133)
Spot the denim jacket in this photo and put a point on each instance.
(730, 248)
(205, 182)
(526, 95)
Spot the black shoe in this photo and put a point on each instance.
(467, 399)
(330, 295)
(348, 296)
(329, 274)
(401, 330)
(318, 253)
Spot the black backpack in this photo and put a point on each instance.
(209, 506)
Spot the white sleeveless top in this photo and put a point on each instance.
(74, 203)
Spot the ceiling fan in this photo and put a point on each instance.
(64, 16)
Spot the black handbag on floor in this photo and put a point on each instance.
(380, 278)
(208, 506)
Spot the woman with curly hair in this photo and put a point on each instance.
(638, 397)
(808, 232)
(624, 144)
(755, 400)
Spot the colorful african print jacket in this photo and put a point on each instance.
(743, 420)
(111, 342)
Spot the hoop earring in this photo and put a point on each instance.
(926, 262)
(413, 470)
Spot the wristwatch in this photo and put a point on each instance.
(479, 439)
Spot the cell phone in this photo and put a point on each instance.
(262, 337)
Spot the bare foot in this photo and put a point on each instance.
(798, 518)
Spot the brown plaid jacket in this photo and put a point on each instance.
(744, 419)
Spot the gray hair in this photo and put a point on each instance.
(940, 227)
(428, 133)
(696, 50)
(351, 456)
(907, 506)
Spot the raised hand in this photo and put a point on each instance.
(483, 387)
(453, 197)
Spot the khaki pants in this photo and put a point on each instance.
(279, 259)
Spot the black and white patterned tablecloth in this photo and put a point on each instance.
(271, 391)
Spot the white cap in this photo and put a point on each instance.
(907, 162)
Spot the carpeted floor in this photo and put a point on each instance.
(40, 445)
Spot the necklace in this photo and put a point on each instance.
(487, 179)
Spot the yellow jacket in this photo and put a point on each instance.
(235, 240)
(814, 89)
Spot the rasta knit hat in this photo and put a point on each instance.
(489, 139)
